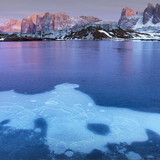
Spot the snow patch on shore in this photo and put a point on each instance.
(106, 33)
(2, 39)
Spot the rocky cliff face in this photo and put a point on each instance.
(57, 21)
(148, 13)
(63, 21)
(150, 18)
(28, 26)
(46, 21)
(11, 25)
(127, 21)
(127, 12)
(156, 16)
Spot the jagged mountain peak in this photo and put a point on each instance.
(47, 21)
(57, 21)
(127, 12)
(90, 18)
(149, 18)
(150, 5)
(60, 13)
(148, 13)
(11, 25)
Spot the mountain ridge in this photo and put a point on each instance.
(46, 21)
(149, 18)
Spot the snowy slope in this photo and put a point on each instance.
(104, 31)
(149, 26)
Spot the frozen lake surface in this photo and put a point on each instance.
(79, 100)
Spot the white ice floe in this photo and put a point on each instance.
(68, 111)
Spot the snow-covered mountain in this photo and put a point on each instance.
(148, 20)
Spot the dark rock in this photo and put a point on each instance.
(148, 13)
(156, 17)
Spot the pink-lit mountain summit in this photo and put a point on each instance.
(46, 21)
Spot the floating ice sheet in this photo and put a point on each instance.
(68, 112)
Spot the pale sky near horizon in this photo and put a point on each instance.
(108, 10)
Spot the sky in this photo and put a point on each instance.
(108, 10)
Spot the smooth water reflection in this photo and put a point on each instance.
(121, 74)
